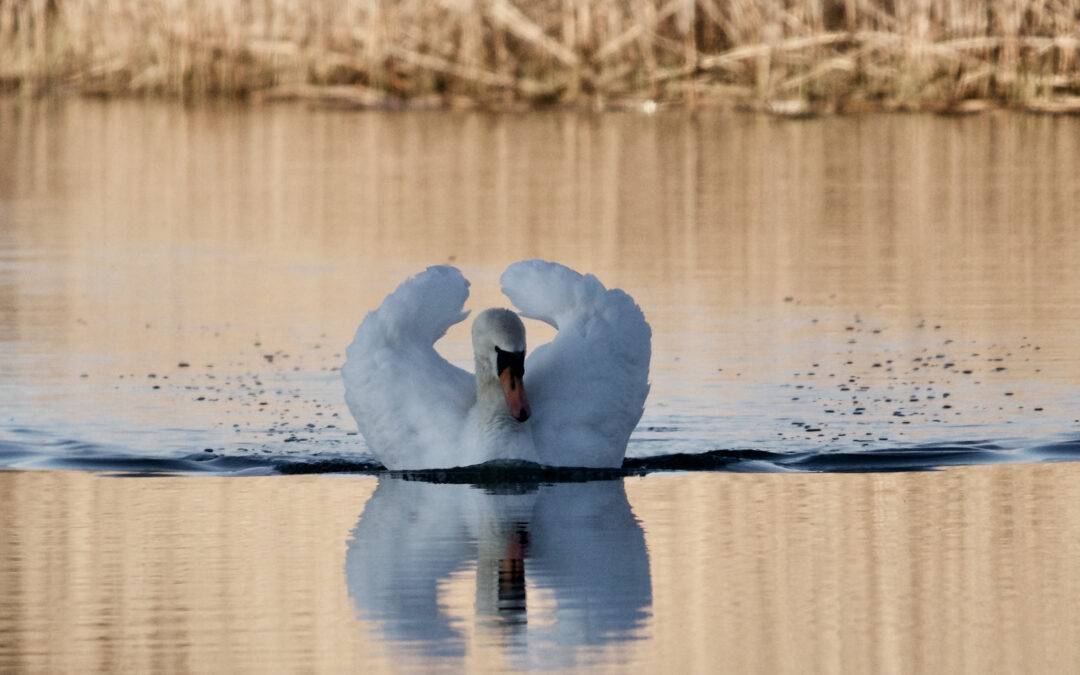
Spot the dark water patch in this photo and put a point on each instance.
(135, 465)
(982, 445)
(337, 465)
(934, 456)
(713, 460)
(501, 472)
(489, 474)
(870, 461)
(226, 463)
(13, 452)
(1064, 451)
(126, 464)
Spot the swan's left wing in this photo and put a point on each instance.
(587, 387)
(408, 401)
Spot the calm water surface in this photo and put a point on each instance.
(967, 570)
(177, 287)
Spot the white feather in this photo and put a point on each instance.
(588, 385)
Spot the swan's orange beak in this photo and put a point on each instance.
(514, 388)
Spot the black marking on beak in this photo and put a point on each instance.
(511, 366)
(515, 361)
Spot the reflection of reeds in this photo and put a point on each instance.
(781, 55)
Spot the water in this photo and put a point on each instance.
(967, 570)
(867, 294)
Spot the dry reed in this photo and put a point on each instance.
(780, 55)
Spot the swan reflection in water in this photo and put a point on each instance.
(576, 547)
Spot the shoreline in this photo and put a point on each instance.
(827, 57)
(360, 99)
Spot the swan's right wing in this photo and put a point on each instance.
(408, 401)
(587, 387)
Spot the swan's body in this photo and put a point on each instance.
(585, 389)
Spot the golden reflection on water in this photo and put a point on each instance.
(170, 216)
(968, 570)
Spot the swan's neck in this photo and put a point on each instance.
(491, 410)
(499, 435)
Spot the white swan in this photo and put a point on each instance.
(574, 401)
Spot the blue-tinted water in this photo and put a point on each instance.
(70, 455)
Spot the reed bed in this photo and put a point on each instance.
(780, 55)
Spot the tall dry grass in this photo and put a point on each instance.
(777, 54)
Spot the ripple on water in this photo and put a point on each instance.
(37, 452)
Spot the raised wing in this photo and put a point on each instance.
(587, 387)
(408, 401)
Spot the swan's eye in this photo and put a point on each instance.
(515, 361)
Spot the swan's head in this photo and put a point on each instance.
(499, 343)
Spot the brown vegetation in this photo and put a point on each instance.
(780, 55)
